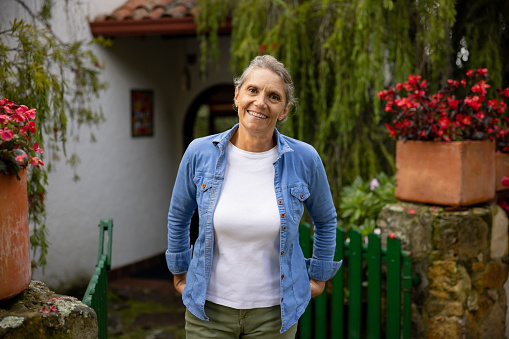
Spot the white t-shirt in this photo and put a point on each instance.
(245, 270)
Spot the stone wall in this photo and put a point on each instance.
(461, 256)
(40, 313)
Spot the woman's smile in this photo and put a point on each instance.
(258, 115)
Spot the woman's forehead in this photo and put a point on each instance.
(266, 78)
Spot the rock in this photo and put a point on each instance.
(499, 238)
(40, 313)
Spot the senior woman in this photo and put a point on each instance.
(246, 276)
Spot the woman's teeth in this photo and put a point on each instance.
(258, 115)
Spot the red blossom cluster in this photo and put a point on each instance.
(460, 111)
(17, 124)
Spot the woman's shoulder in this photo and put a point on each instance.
(300, 148)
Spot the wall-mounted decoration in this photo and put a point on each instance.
(142, 113)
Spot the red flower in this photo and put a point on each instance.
(37, 149)
(469, 73)
(443, 122)
(453, 103)
(502, 107)
(413, 79)
(411, 211)
(393, 236)
(392, 131)
(493, 103)
(263, 48)
(505, 181)
(482, 71)
(399, 86)
(452, 83)
(36, 161)
(463, 82)
(465, 119)
(480, 115)
(6, 134)
(506, 92)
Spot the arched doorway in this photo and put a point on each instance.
(210, 113)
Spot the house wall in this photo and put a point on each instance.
(124, 178)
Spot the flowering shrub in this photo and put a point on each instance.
(460, 111)
(16, 127)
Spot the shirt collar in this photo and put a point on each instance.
(222, 139)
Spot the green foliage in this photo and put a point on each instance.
(362, 201)
(340, 53)
(59, 79)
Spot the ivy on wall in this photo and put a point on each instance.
(340, 53)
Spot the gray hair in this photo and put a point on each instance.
(271, 63)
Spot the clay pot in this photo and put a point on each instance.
(15, 265)
(501, 170)
(458, 173)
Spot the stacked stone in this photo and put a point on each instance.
(461, 256)
(41, 313)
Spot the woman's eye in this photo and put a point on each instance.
(252, 90)
(275, 97)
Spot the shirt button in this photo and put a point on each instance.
(283, 215)
(302, 196)
(280, 202)
(282, 252)
(284, 228)
(282, 276)
(203, 186)
(282, 299)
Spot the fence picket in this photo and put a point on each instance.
(393, 287)
(96, 295)
(354, 285)
(374, 288)
(337, 318)
(305, 240)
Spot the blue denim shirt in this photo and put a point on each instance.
(299, 180)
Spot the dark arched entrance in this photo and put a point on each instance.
(210, 113)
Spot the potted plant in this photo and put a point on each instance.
(17, 125)
(445, 153)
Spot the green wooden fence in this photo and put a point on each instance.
(362, 304)
(96, 295)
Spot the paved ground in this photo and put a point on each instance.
(145, 306)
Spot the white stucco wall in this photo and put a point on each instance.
(124, 178)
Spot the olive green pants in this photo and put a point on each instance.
(226, 322)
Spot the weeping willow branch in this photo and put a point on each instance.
(340, 53)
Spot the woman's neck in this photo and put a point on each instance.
(252, 143)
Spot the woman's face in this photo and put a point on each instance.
(261, 102)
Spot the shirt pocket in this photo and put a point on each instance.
(204, 188)
(299, 194)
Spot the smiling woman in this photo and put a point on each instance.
(250, 185)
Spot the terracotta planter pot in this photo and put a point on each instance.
(501, 170)
(458, 173)
(15, 265)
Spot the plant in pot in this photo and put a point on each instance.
(17, 152)
(445, 153)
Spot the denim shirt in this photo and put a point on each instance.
(299, 180)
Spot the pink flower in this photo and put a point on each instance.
(30, 113)
(4, 119)
(6, 134)
(411, 211)
(505, 181)
(36, 161)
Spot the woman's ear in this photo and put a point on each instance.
(236, 97)
(284, 113)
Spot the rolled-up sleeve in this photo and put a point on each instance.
(321, 209)
(182, 206)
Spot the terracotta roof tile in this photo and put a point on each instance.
(151, 9)
(151, 17)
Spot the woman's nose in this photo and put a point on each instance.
(260, 101)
